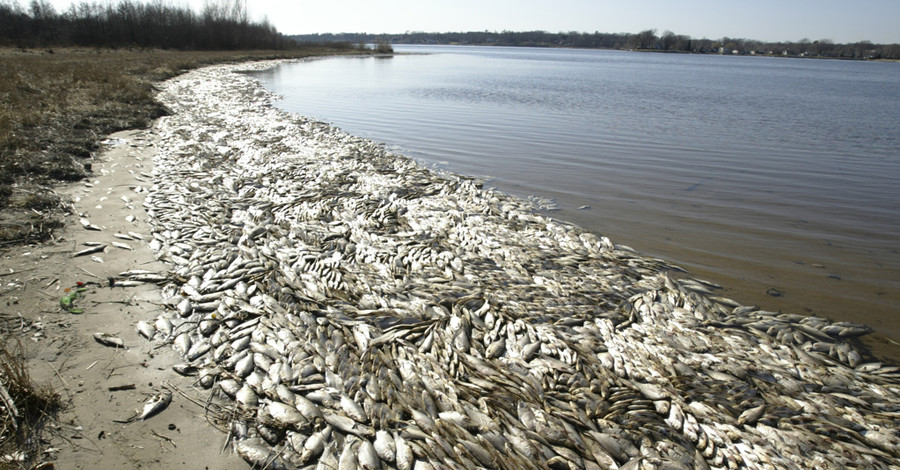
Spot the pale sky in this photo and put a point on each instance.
(841, 21)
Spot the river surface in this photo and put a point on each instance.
(777, 178)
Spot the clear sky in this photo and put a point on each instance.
(841, 21)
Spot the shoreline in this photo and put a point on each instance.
(778, 253)
(346, 236)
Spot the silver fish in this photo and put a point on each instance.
(89, 226)
(314, 446)
(152, 407)
(88, 251)
(385, 446)
(258, 454)
(123, 246)
(283, 413)
(110, 340)
(146, 329)
(367, 457)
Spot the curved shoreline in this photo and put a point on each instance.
(377, 266)
(833, 263)
(343, 304)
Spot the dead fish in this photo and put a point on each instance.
(91, 250)
(89, 226)
(146, 329)
(184, 307)
(155, 277)
(186, 370)
(259, 455)
(347, 425)
(136, 272)
(314, 446)
(405, 456)
(353, 409)
(107, 339)
(122, 236)
(183, 343)
(367, 457)
(247, 397)
(230, 387)
(348, 460)
(198, 349)
(283, 413)
(135, 235)
(164, 325)
(384, 446)
(153, 406)
(751, 415)
(123, 246)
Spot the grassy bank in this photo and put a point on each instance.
(57, 104)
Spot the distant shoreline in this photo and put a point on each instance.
(645, 41)
(656, 51)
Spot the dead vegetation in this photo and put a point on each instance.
(25, 407)
(57, 104)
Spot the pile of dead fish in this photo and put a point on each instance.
(357, 310)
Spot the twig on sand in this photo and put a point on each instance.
(16, 272)
(65, 384)
(193, 400)
(123, 302)
(167, 439)
(115, 353)
(90, 273)
(227, 440)
(119, 388)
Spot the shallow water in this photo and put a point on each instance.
(777, 178)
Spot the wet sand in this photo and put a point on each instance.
(805, 282)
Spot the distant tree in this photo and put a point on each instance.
(667, 40)
(822, 47)
(383, 46)
(43, 21)
(750, 45)
(42, 10)
(644, 40)
(803, 46)
(13, 21)
(862, 49)
(683, 43)
(150, 23)
(891, 51)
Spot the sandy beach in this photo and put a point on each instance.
(344, 297)
(101, 384)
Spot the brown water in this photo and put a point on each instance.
(777, 178)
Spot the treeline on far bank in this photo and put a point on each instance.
(222, 25)
(647, 40)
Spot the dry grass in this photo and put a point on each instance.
(25, 407)
(55, 105)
